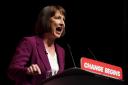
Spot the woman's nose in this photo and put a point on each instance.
(62, 23)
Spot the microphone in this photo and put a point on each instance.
(45, 52)
(69, 48)
(92, 53)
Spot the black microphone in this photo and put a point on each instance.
(92, 53)
(45, 52)
(69, 48)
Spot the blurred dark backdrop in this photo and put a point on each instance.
(96, 24)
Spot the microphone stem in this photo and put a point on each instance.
(71, 55)
(92, 53)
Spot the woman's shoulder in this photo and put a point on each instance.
(30, 39)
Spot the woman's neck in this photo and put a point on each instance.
(48, 40)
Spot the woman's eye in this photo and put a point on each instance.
(58, 17)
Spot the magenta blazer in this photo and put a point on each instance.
(31, 50)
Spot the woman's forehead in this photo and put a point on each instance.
(59, 13)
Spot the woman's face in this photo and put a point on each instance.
(57, 24)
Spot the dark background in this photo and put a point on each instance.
(96, 24)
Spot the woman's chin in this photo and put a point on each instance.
(57, 35)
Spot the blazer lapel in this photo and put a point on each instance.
(42, 53)
(60, 58)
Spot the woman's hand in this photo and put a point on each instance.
(33, 70)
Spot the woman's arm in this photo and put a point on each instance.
(18, 66)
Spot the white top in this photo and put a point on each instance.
(53, 63)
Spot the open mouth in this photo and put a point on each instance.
(59, 29)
